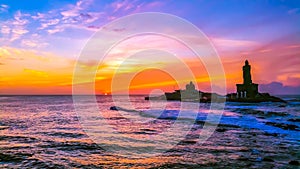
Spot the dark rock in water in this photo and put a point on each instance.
(277, 113)
(116, 108)
(271, 134)
(294, 120)
(260, 98)
(221, 129)
(113, 108)
(146, 132)
(250, 111)
(188, 142)
(260, 113)
(167, 118)
(243, 158)
(141, 132)
(294, 162)
(13, 157)
(268, 159)
(283, 126)
(228, 125)
(8, 157)
(116, 118)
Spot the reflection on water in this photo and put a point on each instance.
(44, 131)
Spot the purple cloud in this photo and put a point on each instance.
(278, 88)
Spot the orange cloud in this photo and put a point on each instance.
(22, 70)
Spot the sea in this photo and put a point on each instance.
(131, 132)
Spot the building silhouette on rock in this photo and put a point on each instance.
(247, 89)
(246, 92)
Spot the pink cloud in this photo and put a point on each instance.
(223, 42)
(38, 16)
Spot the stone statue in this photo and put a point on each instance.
(247, 89)
(247, 73)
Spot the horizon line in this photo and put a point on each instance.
(7, 95)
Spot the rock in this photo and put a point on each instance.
(294, 162)
(271, 134)
(276, 113)
(113, 108)
(116, 118)
(228, 125)
(243, 158)
(250, 111)
(268, 159)
(13, 157)
(261, 114)
(116, 108)
(294, 120)
(184, 142)
(283, 126)
(221, 129)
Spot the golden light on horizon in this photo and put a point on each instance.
(24, 70)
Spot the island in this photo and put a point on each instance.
(246, 92)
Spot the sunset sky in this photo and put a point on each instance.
(40, 42)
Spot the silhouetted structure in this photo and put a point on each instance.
(246, 92)
(189, 94)
(247, 89)
(190, 87)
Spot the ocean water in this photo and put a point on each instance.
(58, 132)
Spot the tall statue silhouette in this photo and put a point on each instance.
(247, 73)
(247, 89)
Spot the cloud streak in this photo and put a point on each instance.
(3, 8)
(233, 44)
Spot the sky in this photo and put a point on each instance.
(40, 42)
